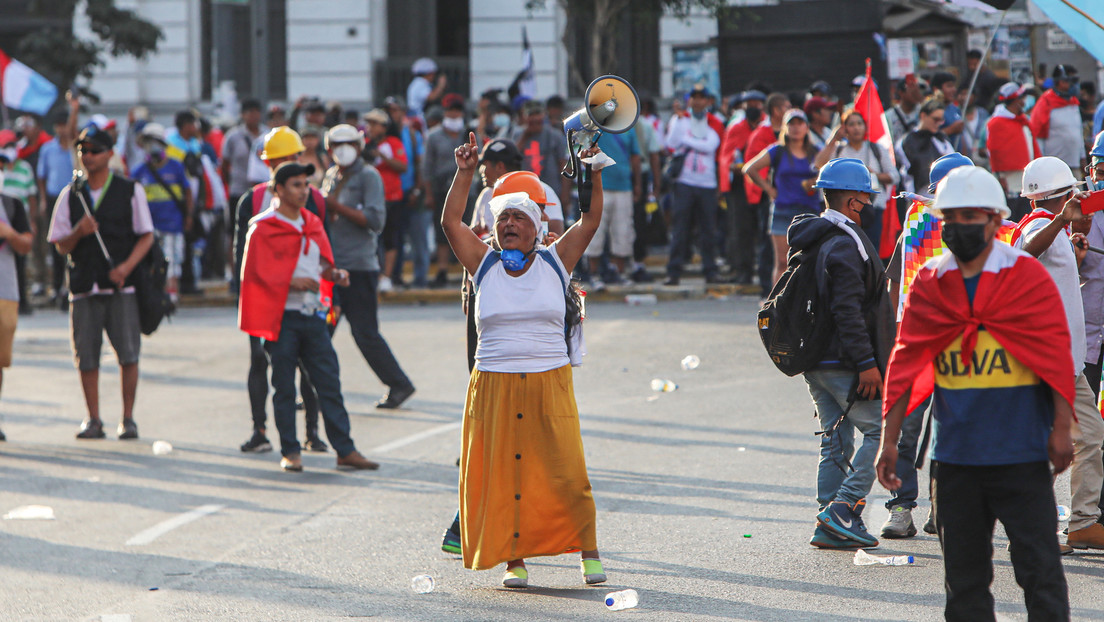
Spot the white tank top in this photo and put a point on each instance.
(520, 320)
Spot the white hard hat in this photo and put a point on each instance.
(153, 130)
(344, 133)
(1046, 178)
(970, 186)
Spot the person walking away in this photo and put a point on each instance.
(440, 166)
(169, 197)
(849, 141)
(694, 195)
(281, 144)
(1056, 119)
(792, 177)
(1011, 145)
(1044, 234)
(356, 208)
(846, 385)
(15, 238)
(979, 328)
(621, 187)
(287, 255)
(110, 213)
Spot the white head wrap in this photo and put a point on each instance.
(519, 201)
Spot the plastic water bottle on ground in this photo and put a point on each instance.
(162, 448)
(862, 558)
(422, 584)
(1063, 513)
(625, 599)
(659, 385)
(690, 362)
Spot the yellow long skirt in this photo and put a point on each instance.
(524, 490)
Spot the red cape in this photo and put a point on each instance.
(1015, 301)
(272, 249)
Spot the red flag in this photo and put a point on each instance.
(869, 105)
(938, 311)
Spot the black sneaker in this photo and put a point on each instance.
(91, 428)
(315, 444)
(257, 444)
(441, 280)
(2, 437)
(395, 398)
(641, 275)
(128, 430)
(451, 542)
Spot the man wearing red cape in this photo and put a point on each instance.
(979, 328)
(287, 256)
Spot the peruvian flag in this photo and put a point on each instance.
(23, 88)
(869, 106)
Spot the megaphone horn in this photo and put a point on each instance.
(611, 105)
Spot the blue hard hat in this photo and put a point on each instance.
(944, 165)
(844, 174)
(1098, 146)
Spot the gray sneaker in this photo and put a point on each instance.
(899, 524)
(929, 526)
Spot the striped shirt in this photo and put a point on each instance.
(19, 181)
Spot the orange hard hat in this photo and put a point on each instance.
(522, 181)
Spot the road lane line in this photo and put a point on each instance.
(414, 438)
(164, 527)
(115, 617)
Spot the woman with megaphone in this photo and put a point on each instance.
(524, 490)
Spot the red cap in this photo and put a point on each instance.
(7, 137)
(813, 104)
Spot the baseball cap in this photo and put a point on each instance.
(815, 104)
(518, 102)
(377, 115)
(794, 113)
(8, 154)
(500, 150)
(453, 101)
(95, 137)
(423, 66)
(1009, 91)
(699, 89)
(753, 95)
(533, 106)
(287, 170)
(822, 86)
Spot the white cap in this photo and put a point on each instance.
(423, 66)
(970, 187)
(1009, 91)
(519, 201)
(153, 130)
(1047, 177)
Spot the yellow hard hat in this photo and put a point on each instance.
(281, 142)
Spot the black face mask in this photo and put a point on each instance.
(965, 241)
(754, 114)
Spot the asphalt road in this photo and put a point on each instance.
(705, 495)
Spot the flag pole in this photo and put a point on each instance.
(981, 63)
(869, 103)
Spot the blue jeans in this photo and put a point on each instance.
(829, 389)
(905, 496)
(690, 204)
(418, 233)
(304, 339)
(358, 304)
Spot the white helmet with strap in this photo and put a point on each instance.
(1046, 178)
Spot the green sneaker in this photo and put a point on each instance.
(593, 571)
(517, 576)
(451, 542)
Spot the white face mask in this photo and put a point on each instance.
(453, 124)
(344, 155)
(501, 120)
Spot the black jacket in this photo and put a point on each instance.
(919, 147)
(855, 291)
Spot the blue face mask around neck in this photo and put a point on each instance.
(513, 259)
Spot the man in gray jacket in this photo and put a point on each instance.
(357, 213)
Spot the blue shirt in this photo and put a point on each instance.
(55, 165)
(951, 114)
(789, 172)
(1098, 118)
(415, 148)
(167, 217)
(620, 147)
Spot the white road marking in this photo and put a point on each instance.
(164, 527)
(115, 617)
(414, 438)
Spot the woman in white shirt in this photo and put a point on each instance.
(850, 141)
(524, 490)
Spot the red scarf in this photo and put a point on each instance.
(1014, 301)
(1020, 226)
(271, 251)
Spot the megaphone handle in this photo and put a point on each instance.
(586, 185)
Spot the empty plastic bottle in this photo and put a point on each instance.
(862, 558)
(1063, 513)
(422, 584)
(690, 362)
(659, 385)
(625, 599)
(162, 448)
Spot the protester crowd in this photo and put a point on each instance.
(312, 213)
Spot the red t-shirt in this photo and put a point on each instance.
(391, 147)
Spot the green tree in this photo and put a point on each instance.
(601, 17)
(63, 57)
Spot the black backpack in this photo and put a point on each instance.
(795, 323)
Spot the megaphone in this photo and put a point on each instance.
(611, 106)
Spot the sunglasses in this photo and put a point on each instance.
(91, 150)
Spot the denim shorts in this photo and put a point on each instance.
(782, 215)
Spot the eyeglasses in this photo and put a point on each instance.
(938, 119)
(90, 150)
